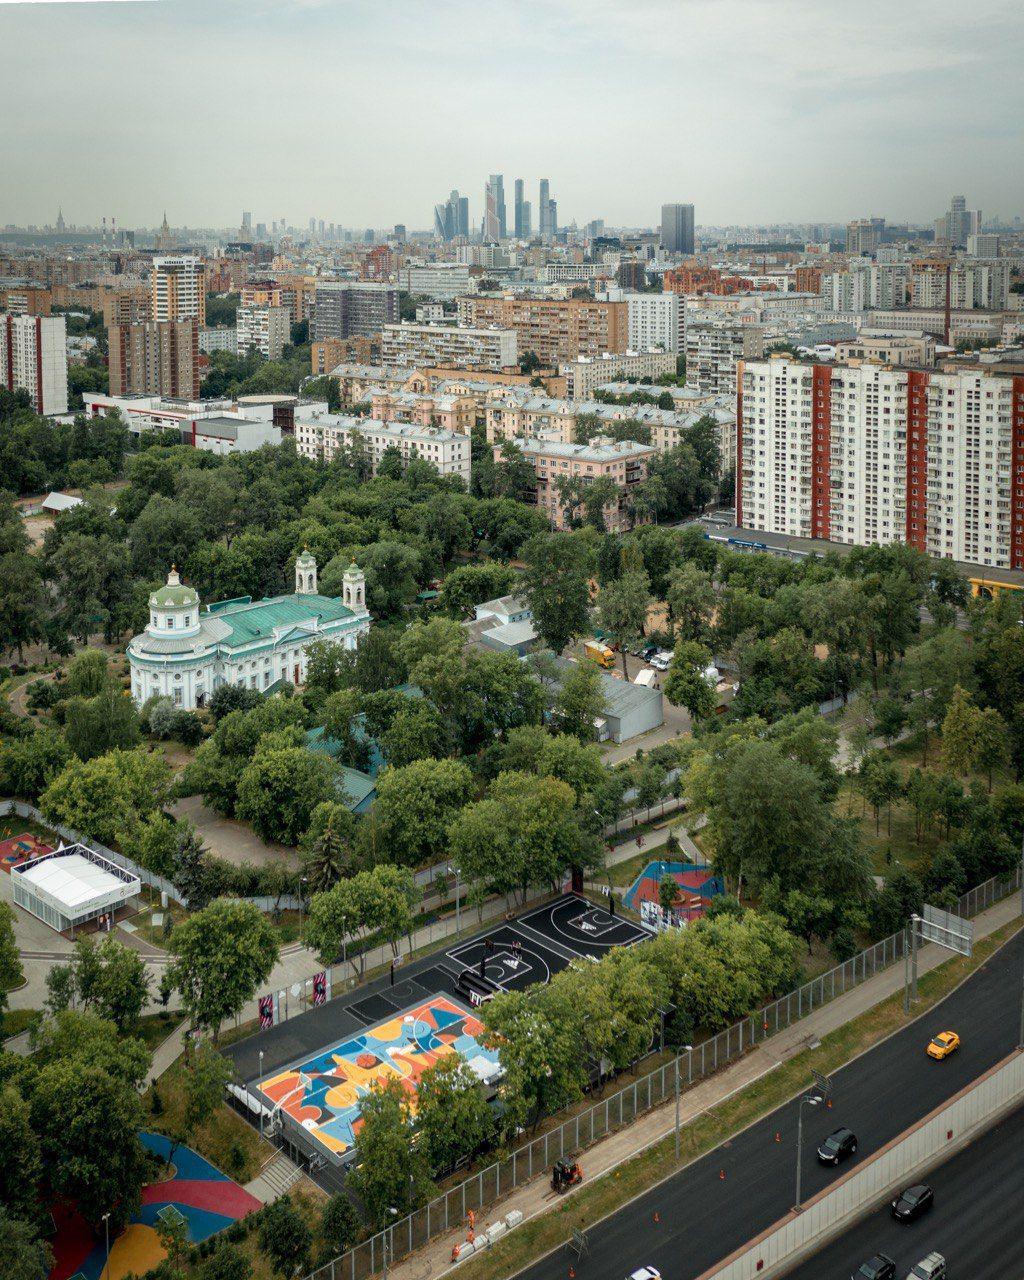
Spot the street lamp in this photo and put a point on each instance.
(456, 871)
(686, 1048)
(106, 1232)
(387, 1229)
(261, 1093)
(812, 1100)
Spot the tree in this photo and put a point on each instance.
(285, 1238)
(94, 726)
(414, 807)
(21, 1169)
(93, 796)
(11, 973)
(23, 1256)
(328, 846)
(890, 718)
(961, 733)
(557, 587)
(282, 785)
(206, 1076)
(392, 1172)
(668, 891)
(88, 673)
(226, 1262)
(993, 741)
(221, 955)
(622, 610)
(472, 584)
(453, 1118)
(339, 1227)
(686, 685)
(87, 1121)
(23, 602)
(691, 601)
(580, 701)
(91, 1041)
(881, 784)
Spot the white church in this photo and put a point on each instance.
(188, 652)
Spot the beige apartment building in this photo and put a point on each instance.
(154, 359)
(917, 349)
(459, 346)
(626, 463)
(178, 287)
(456, 413)
(556, 330)
(319, 436)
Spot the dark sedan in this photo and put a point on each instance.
(837, 1147)
(880, 1267)
(910, 1204)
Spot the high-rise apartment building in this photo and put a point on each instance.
(441, 280)
(554, 329)
(873, 453)
(547, 211)
(348, 308)
(958, 223)
(263, 328)
(677, 228)
(494, 208)
(33, 358)
(715, 349)
(973, 285)
(155, 358)
(654, 320)
(864, 235)
(179, 288)
(520, 233)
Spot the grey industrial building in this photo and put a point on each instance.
(353, 308)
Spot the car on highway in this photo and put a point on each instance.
(838, 1146)
(942, 1045)
(912, 1202)
(880, 1267)
(661, 660)
(931, 1268)
(645, 1273)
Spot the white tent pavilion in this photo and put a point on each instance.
(71, 886)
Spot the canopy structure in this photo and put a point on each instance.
(72, 886)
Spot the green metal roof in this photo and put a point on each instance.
(174, 597)
(251, 622)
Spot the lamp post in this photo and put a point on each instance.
(261, 1093)
(456, 871)
(106, 1232)
(812, 1100)
(387, 1230)
(686, 1048)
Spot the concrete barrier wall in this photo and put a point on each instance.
(927, 1144)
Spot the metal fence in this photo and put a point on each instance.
(622, 1108)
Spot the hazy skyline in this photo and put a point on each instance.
(366, 114)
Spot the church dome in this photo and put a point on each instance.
(175, 595)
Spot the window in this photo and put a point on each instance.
(170, 624)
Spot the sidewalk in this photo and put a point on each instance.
(537, 1197)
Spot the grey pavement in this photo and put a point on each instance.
(233, 841)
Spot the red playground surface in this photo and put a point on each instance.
(19, 849)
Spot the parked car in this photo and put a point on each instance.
(942, 1045)
(880, 1267)
(661, 660)
(931, 1268)
(912, 1202)
(648, 652)
(838, 1146)
(645, 1273)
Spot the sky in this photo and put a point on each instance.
(368, 112)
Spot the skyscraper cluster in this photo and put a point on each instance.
(451, 218)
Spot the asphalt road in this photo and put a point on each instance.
(704, 1217)
(975, 1224)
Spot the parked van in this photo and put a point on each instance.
(646, 677)
(599, 653)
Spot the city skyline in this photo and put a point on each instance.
(861, 128)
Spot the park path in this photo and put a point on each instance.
(536, 1197)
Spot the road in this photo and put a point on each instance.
(975, 1225)
(703, 1216)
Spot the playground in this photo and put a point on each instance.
(697, 886)
(21, 848)
(323, 1094)
(199, 1195)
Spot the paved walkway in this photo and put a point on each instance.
(537, 1197)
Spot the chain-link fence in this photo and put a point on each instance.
(622, 1108)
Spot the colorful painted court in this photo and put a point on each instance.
(323, 1094)
(21, 848)
(205, 1198)
(697, 886)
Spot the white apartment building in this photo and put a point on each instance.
(178, 287)
(319, 435)
(33, 358)
(440, 280)
(576, 272)
(712, 352)
(584, 375)
(862, 288)
(983, 244)
(654, 320)
(979, 285)
(454, 345)
(869, 453)
(223, 338)
(265, 328)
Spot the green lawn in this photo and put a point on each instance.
(15, 1021)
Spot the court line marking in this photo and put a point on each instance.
(499, 948)
(552, 944)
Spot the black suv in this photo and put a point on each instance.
(910, 1204)
(837, 1146)
(880, 1267)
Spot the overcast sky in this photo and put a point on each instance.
(367, 112)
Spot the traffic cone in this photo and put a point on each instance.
(572, 1273)
(778, 1137)
(721, 1175)
(657, 1216)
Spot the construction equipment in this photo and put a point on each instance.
(565, 1174)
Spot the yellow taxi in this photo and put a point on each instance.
(942, 1045)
